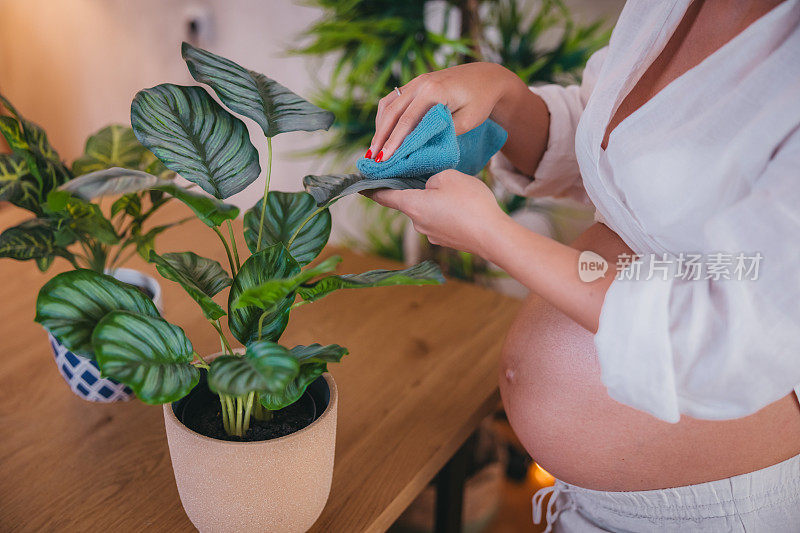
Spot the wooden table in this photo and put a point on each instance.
(420, 376)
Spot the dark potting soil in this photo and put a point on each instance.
(203, 414)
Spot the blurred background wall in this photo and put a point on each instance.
(73, 66)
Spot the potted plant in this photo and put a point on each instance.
(251, 430)
(68, 220)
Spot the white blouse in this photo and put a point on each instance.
(709, 169)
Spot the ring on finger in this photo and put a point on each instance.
(397, 90)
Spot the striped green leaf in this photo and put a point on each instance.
(317, 353)
(313, 361)
(329, 187)
(425, 273)
(274, 107)
(285, 213)
(146, 353)
(195, 137)
(200, 277)
(268, 264)
(270, 293)
(71, 304)
(265, 367)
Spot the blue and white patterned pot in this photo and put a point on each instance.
(83, 375)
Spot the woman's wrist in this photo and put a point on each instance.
(490, 240)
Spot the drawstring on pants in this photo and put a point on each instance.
(553, 508)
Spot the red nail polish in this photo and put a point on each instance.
(368, 155)
(379, 157)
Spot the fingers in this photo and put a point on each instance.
(399, 114)
(445, 177)
(403, 200)
(390, 107)
(405, 124)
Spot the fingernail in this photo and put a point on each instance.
(379, 157)
(368, 155)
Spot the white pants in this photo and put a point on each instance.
(767, 500)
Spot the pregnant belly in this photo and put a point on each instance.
(561, 411)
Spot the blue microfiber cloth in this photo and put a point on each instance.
(433, 146)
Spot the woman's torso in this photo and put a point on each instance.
(550, 377)
(561, 411)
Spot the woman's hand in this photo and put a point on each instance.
(470, 91)
(454, 210)
(459, 211)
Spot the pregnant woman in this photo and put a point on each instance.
(660, 402)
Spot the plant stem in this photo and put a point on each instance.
(227, 250)
(202, 361)
(248, 408)
(225, 346)
(259, 411)
(231, 414)
(266, 193)
(239, 417)
(233, 245)
(261, 324)
(308, 218)
(123, 261)
(225, 422)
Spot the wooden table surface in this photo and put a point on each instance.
(420, 376)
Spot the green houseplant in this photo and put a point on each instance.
(70, 221)
(242, 390)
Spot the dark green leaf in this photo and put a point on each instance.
(146, 353)
(130, 203)
(194, 136)
(331, 186)
(111, 181)
(313, 361)
(209, 210)
(17, 185)
(271, 293)
(71, 304)
(112, 146)
(33, 239)
(308, 373)
(426, 273)
(274, 107)
(200, 277)
(12, 132)
(80, 217)
(285, 212)
(265, 367)
(29, 141)
(317, 353)
(44, 263)
(268, 264)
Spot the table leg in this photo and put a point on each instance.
(450, 489)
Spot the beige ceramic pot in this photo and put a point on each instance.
(276, 485)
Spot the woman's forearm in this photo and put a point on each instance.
(525, 117)
(549, 269)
